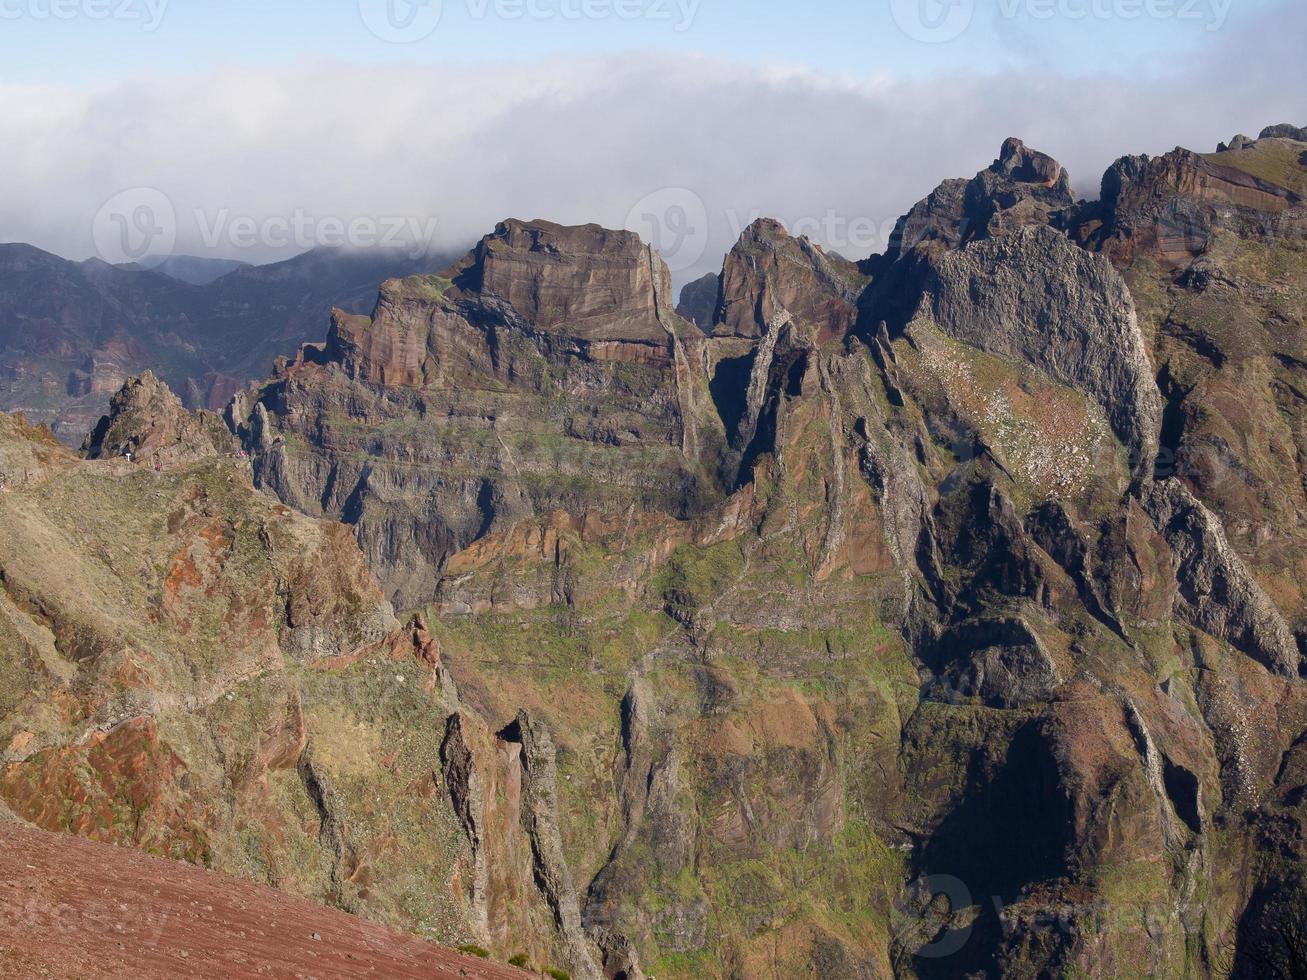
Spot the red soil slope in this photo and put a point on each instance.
(70, 907)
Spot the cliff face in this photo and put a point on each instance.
(547, 371)
(937, 616)
(1212, 248)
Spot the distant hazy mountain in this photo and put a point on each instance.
(71, 332)
(194, 269)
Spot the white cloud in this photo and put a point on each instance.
(585, 140)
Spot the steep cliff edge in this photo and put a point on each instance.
(871, 628)
(548, 370)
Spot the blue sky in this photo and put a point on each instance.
(854, 38)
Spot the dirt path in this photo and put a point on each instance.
(70, 907)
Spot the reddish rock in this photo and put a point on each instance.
(586, 281)
(148, 421)
(71, 907)
(768, 271)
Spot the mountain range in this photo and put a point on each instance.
(940, 614)
(72, 332)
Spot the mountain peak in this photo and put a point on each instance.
(583, 281)
(1022, 164)
(1021, 187)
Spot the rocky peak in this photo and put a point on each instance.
(585, 281)
(1237, 142)
(1284, 131)
(1167, 207)
(768, 273)
(1024, 165)
(147, 422)
(1021, 187)
(545, 370)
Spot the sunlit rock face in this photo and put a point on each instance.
(979, 563)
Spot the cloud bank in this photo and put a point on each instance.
(686, 149)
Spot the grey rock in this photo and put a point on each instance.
(1022, 187)
(698, 302)
(1032, 296)
(1285, 131)
(540, 820)
(466, 792)
(1008, 666)
(1218, 593)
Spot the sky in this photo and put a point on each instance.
(254, 129)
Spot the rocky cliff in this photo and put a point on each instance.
(547, 370)
(940, 615)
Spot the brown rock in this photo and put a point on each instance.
(768, 272)
(585, 282)
(147, 422)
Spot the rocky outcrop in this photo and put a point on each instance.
(147, 423)
(1169, 207)
(467, 793)
(584, 282)
(1217, 593)
(1284, 131)
(540, 819)
(768, 273)
(547, 371)
(1067, 313)
(1022, 187)
(939, 217)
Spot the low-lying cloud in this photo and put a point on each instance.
(686, 149)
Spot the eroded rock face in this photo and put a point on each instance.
(549, 371)
(583, 282)
(1286, 131)
(1217, 592)
(147, 423)
(1022, 187)
(1168, 207)
(1211, 246)
(768, 272)
(1065, 312)
(738, 636)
